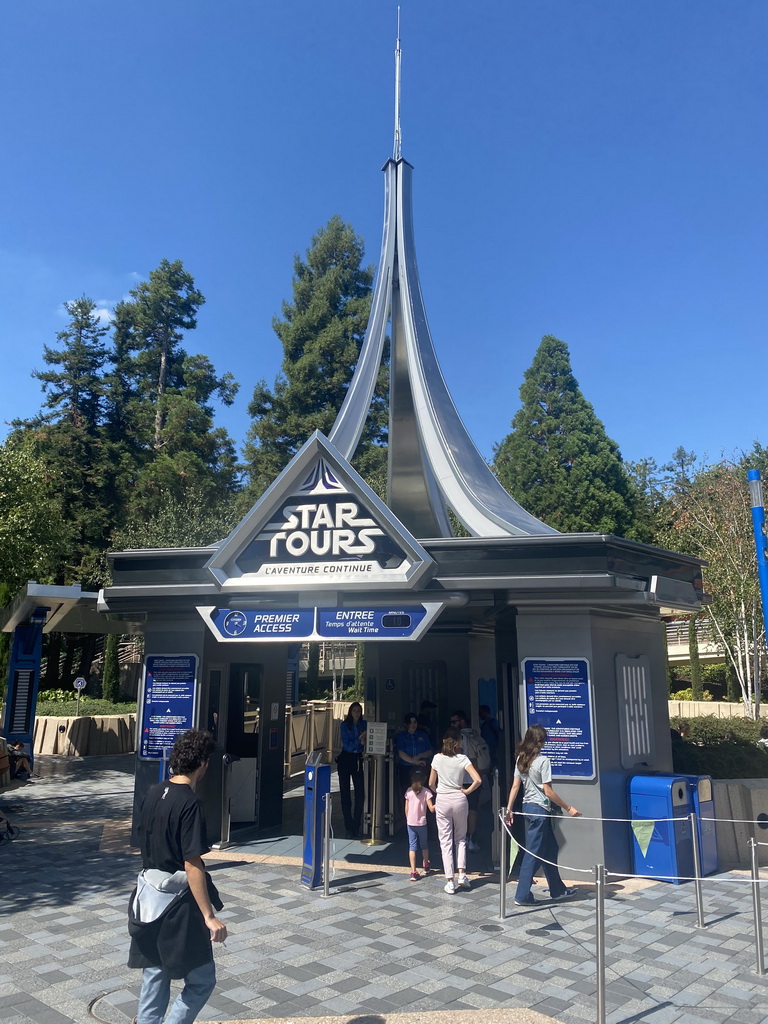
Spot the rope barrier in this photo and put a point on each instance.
(625, 874)
(701, 817)
(543, 860)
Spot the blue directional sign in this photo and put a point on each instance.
(263, 623)
(558, 696)
(168, 702)
(395, 622)
(369, 623)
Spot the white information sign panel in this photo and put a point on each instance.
(376, 739)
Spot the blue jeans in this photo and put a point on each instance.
(540, 840)
(156, 992)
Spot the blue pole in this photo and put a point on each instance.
(761, 545)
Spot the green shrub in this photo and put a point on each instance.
(54, 695)
(725, 748)
(688, 695)
(67, 707)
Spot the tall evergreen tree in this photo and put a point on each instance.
(69, 437)
(161, 401)
(321, 331)
(558, 461)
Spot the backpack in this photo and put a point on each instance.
(478, 751)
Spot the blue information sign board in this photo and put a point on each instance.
(558, 696)
(168, 702)
(369, 623)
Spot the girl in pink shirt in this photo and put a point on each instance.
(417, 799)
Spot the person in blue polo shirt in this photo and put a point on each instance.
(352, 731)
(414, 749)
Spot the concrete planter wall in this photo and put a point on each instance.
(716, 708)
(79, 737)
(745, 800)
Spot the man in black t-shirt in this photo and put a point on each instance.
(177, 943)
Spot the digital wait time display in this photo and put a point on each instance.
(368, 623)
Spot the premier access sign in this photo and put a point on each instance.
(255, 625)
(319, 526)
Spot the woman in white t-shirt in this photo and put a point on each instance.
(446, 780)
(533, 772)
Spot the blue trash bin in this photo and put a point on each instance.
(702, 798)
(668, 852)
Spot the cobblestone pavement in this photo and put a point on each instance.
(379, 948)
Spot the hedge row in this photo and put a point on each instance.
(725, 748)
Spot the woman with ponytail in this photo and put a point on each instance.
(533, 772)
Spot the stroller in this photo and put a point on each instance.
(8, 831)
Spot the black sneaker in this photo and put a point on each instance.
(528, 902)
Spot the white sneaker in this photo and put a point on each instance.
(463, 882)
(450, 887)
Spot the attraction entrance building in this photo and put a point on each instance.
(544, 627)
(559, 629)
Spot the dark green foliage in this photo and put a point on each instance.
(88, 706)
(313, 669)
(161, 398)
(110, 680)
(124, 444)
(725, 748)
(558, 461)
(32, 527)
(357, 690)
(321, 332)
(188, 521)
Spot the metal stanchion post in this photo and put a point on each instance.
(327, 846)
(600, 941)
(391, 772)
(367, 811)
(498, 832)
(503, 869)
(226, 768)
(756, 907)
(697, 871)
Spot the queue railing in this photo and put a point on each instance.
(600, 876)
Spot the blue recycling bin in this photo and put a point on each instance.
(703, 801)
(668, 852)
(317, 783)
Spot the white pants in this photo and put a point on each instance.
(451, 810)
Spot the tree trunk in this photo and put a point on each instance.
(697, 690)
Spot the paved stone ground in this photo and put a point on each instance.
(380, 946)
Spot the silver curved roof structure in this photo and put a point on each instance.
(433, 462)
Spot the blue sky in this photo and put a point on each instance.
(594, 169)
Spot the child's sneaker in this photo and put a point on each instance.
(463, 881)
(427, 867)
(415, 876)
(450, 887)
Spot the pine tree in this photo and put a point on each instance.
(161, 402)
(110, 680)
(321, 331)
(68, 436)
(558, 461)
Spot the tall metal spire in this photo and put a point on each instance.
(433, 464)
(397, 151)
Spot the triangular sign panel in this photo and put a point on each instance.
(319, 526)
